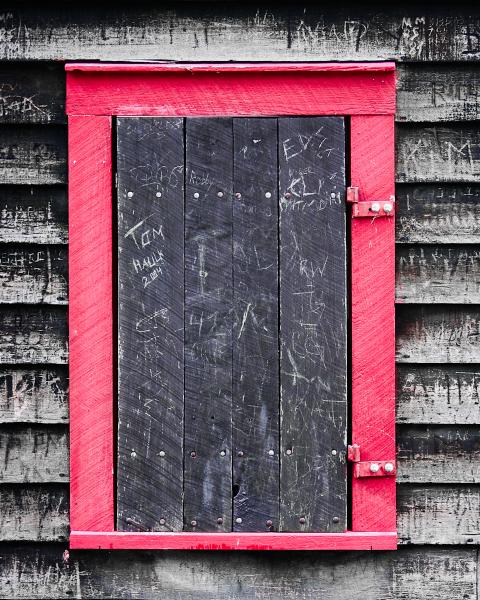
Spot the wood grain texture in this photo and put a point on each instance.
(35, 335)
(437, 334)
(36, 454)
(437, 514)
(33, 214)
(208, 325)
(438, 214)
(438, 454)
(255, 396)
(449, 153)
(33, 274)
(313, 321)
(33, 155)
(33, 395)
(223, 33)
(438, 274)
(435, 92)
(35, 512)
(150, 324)
(438, 394)
(32, 93)
(38, 571)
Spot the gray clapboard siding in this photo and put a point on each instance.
(438, 153)
(438, 454)
(36, 335)
(438, 334)
(34, 512)
(435, 92)
(32, 93)
(34, 454)
(438, 214)
(39, 571)
(33, 274)
(438, 514)
(234, 32)
(438, 274)
(33, 214)
(33, 155)
(438, 394)
(33, 395)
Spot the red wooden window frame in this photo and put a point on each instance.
(95, 93)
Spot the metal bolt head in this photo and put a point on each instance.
(333, 195)
(133, 454)
(220, 194)
(374, 468)
(336, 520)
(375, 207)
(193, 454)
(271, 453)
(302, 520)
(162, 521)
(219, 521)
(334, 453)
(193, 523)
(240, 454)
(196, 195)
(130, 194)
(269, 523)
(268, 195)
(288, 451)
(158, 194)
(388, 467)
(387, 207)
(222, 453)
(238, 520)
(238, 195)
(161, 453)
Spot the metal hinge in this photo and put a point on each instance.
(370, 208)
(370, 468)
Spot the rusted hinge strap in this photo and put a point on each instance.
(370, 468)
(370, 208)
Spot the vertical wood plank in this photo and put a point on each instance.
(255, 327)
(373, 322)
(208, 325)
(313, 322)
(150, 154)
(91, 326)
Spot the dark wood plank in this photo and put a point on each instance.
(33, 155)
(150, 324)
(438, 274)
(33, 395)
(437, 334)
(35, 335)
(435, 92)
(438, 394)
(208, 325)
(313, 323)
(438, 454)
(37, 454)
(255, 411)
(33, 274)
(449, 153)
(32, 93)
(438, 214)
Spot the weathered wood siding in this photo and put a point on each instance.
(438, 296)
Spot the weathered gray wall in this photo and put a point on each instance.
(438, 290)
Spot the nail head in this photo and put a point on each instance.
(334, 452)
(130, 194)
(389, 467)
(238, 520)
(193, 523)
(162, 521)
(374, 468)
(288, 451)
(196, 195)
(336, 520)
(271, 453)
(222, 453)
(193, 454)
(219, 520)
(161, 453)
(240, 453)
(375, 207)
(158, 194)
(269, 523)
(238, 195)
(220, 194)
(302, 520)
(387, 207)
(268, 195)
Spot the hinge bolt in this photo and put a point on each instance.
(374, 468)
(375, 207)
(388, 467)
(387, 207)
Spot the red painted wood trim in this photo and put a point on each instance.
(231, 67)
(85, 540)
(373, 322)
(90, 323)
(180, 90)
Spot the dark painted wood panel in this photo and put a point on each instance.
(208, 325)
(313, 322)
(448, 394)
(438, 214)
(242, 33)
(435, 92)
(33, 155)
(150, 324)
(437, 153)
(37, 454)
(33, 395)
(39, 571)
(33, 274)
(438, 274)
(32, 93)
(438, 334)
(255, 413)
(438, 454)
(35, 335)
